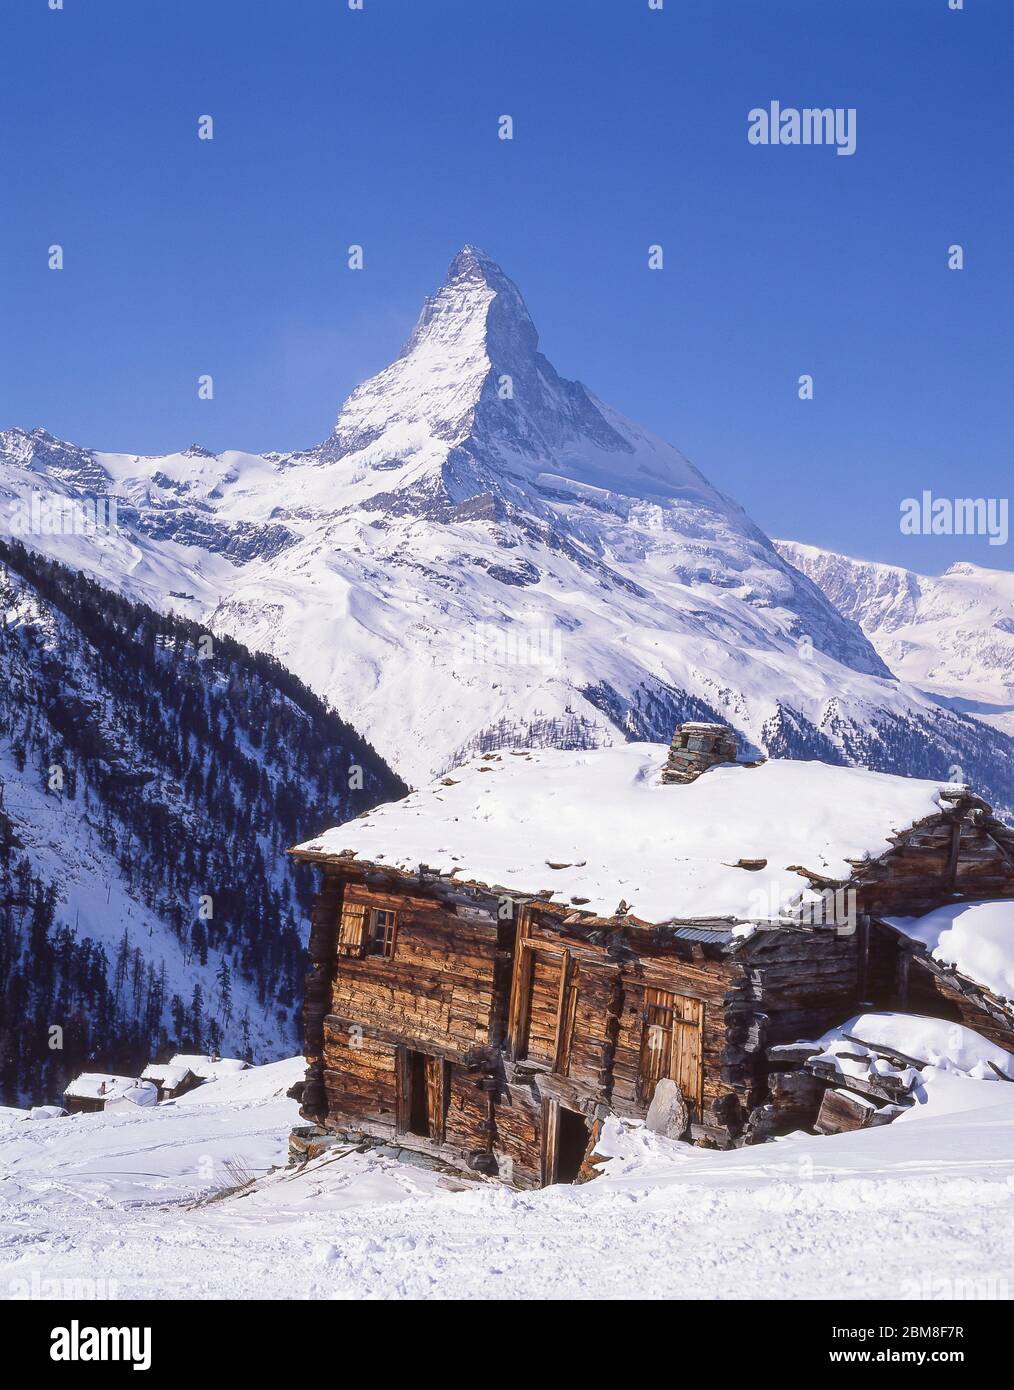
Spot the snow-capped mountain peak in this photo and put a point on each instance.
(462, 312)
(483, 554)
(470, 406)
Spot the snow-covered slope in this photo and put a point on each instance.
(148, 791)
(117, 1206)
(950, 634)
(483, 554)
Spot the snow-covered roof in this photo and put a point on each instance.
(208, 1067)
(140, 1093)
(166, 1074)
(977, 938)
(597, 827)
(936, 1041)
(97, 1085)
(11, 1115)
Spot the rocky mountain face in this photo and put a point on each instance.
(485, 553)
(950, 634)
(151, 781)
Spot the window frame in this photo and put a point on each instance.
(387, 936)
(530, 951)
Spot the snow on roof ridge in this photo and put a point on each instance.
(206, 1064)
(742, 844)
(164, 1070)
(88, 1085)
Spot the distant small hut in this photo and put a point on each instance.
(140, 1096)
(92, 1091)
(208, 1066)
(170, 1080)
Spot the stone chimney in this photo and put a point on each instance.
(695, 748)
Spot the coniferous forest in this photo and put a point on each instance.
(151, 779)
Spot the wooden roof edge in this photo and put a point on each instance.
(974, 990)
(945, 816)
(322, 856)
(348, 861)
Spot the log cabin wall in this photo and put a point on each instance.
(790, 984)
(662, 972)
(399, 1027)
(437, 987)
(564, 1005)
(316, 992)
(594, 1023)
(801, 981)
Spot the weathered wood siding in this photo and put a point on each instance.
(437, 991)
(800, 980)
(699, 979)
(359, 1074)
(952, 856)
(548, 1012)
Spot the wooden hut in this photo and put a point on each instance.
(209, 1066)
(170, 1080)
(499, 962)
(92, 1091)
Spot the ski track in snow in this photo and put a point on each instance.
(906, 1211)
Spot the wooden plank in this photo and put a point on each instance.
(568, 1013)
(541, 1028)
(436, 1097)
(403, 1074)
(841, 1113)
(953, 855)
(687, 1068)
(352, 928)
(550, 1135)
(519, 985)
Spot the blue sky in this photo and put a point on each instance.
(380, 127)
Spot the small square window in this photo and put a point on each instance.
(383, 932)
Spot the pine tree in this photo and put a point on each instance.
(224, 979)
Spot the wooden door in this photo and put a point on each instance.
(565, 1138)
(422, 1083)
(688, 1050)
(436, 1097)
(671, 1045)
(542, 1035)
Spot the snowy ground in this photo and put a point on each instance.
(921, 1209)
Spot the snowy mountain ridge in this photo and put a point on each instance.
(950, 634)
(483, 553)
